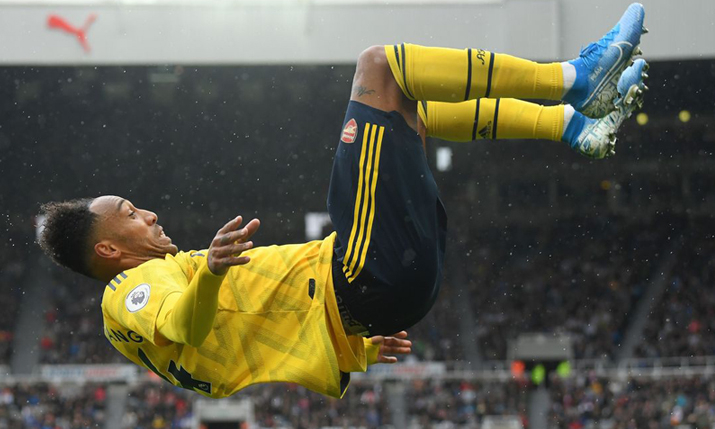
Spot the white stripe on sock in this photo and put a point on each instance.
(569, 76)
(568, 114)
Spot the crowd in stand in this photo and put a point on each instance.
(683, 322)
(435, 338)
(158, 405)
(430, 403)
(289, 405)
(589, 401)
(463, 403)
(52, 406)
(580, 278)
(73, 323)
(582, 401)
(11, 278)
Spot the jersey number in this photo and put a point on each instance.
(180, 374)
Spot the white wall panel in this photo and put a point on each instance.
(331, 31)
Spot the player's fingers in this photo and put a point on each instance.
(230, 261)
(230, 225)
(225, 238)
(401, 334)
(231, 237)
(396, 342)
(233, 250)
(242, 234)
(377, 339)
(396, 350)
(387, 359)
(251, 228)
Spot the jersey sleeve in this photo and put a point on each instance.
(137, 296)
(188, 318)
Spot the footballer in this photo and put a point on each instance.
(220, 319)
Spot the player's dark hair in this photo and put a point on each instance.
(67, 232)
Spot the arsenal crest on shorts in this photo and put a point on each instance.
(349, 132)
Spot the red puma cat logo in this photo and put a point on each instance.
(54, 21)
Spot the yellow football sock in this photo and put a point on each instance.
(486, 118)
(442, 74)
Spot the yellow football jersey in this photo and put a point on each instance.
(277, 321)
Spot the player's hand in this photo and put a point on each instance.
(397, 344)
(228, 244)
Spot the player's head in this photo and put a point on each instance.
(103, 236)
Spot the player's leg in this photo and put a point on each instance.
(488, 118)
(588, 82)
(374, 85)
(385, 207)
(516, 119)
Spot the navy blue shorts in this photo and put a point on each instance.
(391, 224)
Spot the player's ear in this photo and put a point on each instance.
(105, 249)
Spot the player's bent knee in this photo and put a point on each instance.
(373, 59)
(373, 70)
(374, 83)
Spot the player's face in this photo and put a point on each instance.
(132, 230)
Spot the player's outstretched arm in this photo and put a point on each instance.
(382, 348)
(188, 318)
(229, 243)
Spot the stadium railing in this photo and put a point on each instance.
(489, 371)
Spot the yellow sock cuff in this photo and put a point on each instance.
(520, 78)
(492, 119)
(453, 75)
(523, 120)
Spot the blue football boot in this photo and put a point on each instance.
(597, 137)
(600, 64)
(631, 85)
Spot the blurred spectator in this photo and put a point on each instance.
(578, 277)
(52, 406)
(683, 322)
(276, 405)
(436, 337)
(586, 401)
(463, 403)
(291, 405)
(12, 272)
(158, 405)
(73, 323)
